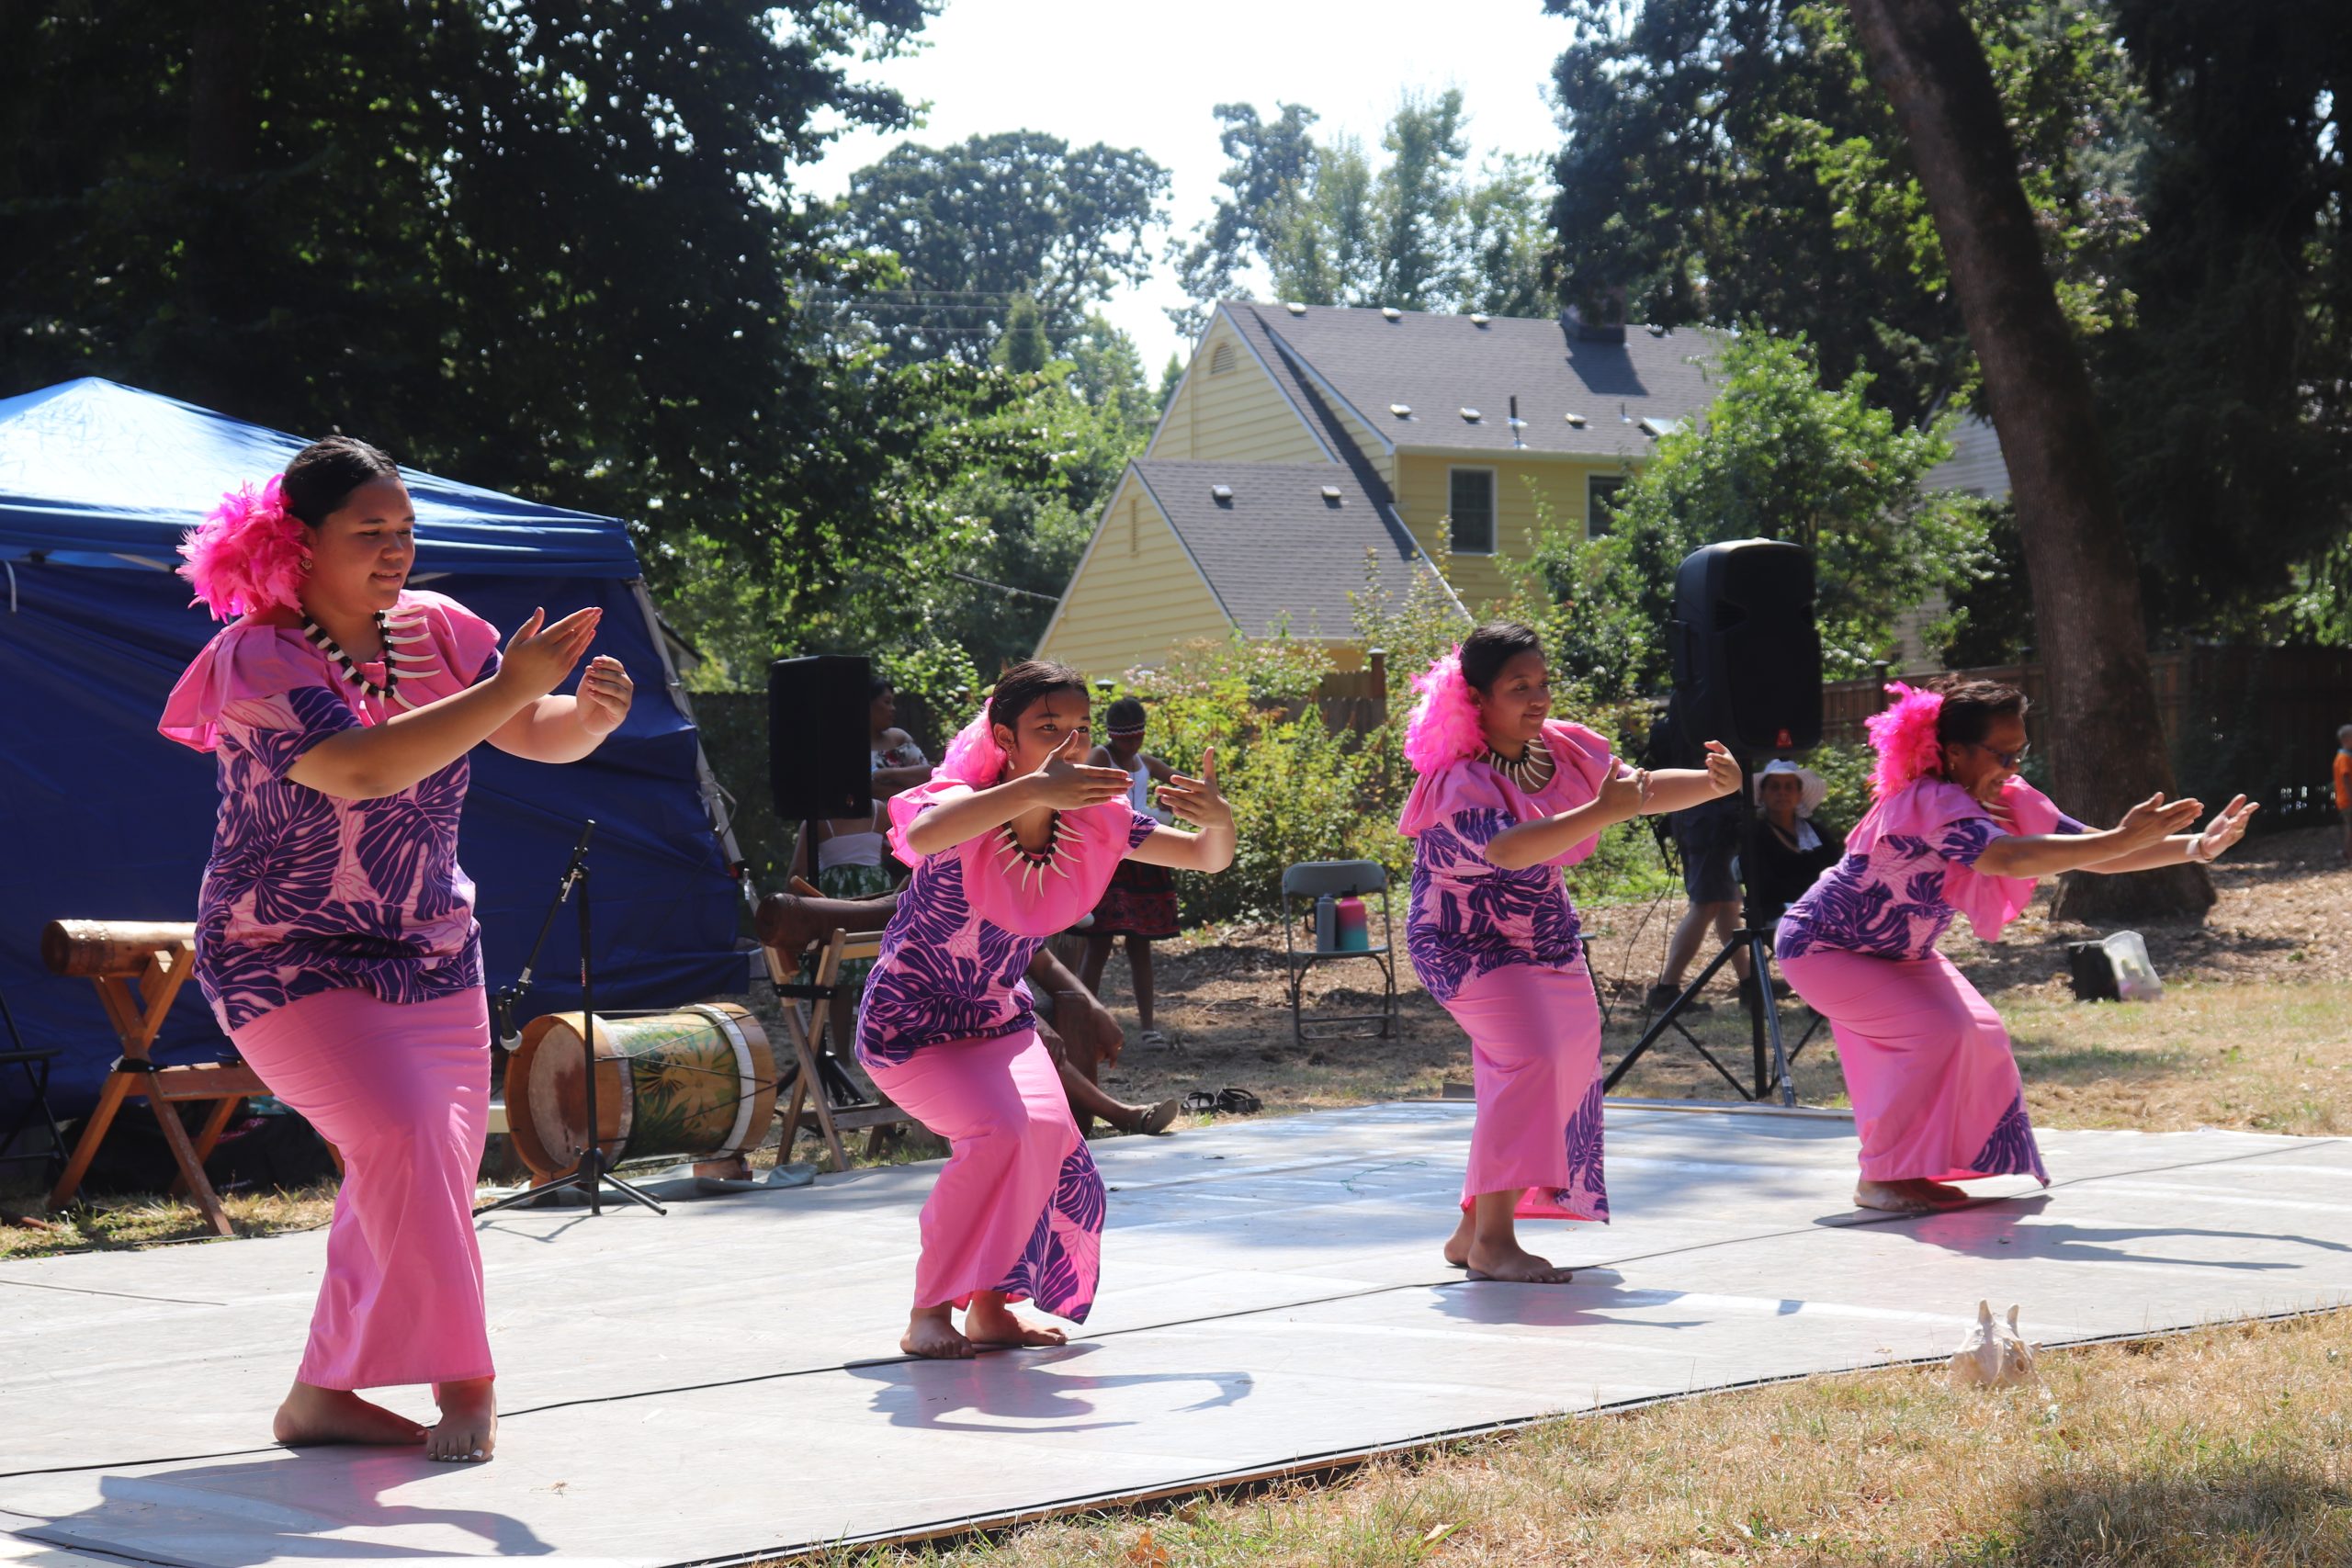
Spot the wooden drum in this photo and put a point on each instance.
(699, 1083)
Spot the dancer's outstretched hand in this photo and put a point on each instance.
(1723, 768)
(539, 656)
(1067, 782)
(1198, 800)
(1623, 794)
(2157, 818)
(2226, 828)
(605, 693)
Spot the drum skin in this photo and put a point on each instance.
(697, 1083)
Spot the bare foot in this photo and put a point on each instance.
(313, 1414)
(1911, 1196)
(932, 1335)
(468, 1431)
(1514, 1265)
(990, 1321)
(1457, 1246)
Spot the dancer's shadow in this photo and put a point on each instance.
(1024, 1386)
(1597, 1298)
(1990, 1231)
(292, 1506)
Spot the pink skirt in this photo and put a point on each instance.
(1934, 1086)
(402, 1092)
(1535, 1062)
(1018, 1208)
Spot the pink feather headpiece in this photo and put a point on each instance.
(1445, 727)
(1905, 737)
(973, 756)
(247, 553)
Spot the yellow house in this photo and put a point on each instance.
(1305, 441)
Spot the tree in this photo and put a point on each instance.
(1324, 225)
(2229, 404)
(1023, 348)
(2107, 746)
(1728, 161)
(992, 219)
(549, 247)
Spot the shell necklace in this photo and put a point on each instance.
(1031, 865)
(1531, 770)
(396, 629)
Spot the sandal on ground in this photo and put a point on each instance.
(1155, 1120)
(1153, 1038)
(1238, 1102)
(1200, 1103)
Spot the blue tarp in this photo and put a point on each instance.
(101, 818)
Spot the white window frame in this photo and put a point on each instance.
(1493, 509)
(1615, 482)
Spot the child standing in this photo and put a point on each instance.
(1141, 903)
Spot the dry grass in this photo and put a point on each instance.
(122, 1224)
(2226, 1446)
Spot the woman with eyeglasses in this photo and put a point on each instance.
(1954, 831)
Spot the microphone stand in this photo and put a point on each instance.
(594, 1172)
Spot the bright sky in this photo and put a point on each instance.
(1135, 75)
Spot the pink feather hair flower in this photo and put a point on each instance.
(1905, 737)
(246, 556)
(1444, 726)
(973, 756)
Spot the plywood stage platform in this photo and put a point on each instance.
(722, 1384)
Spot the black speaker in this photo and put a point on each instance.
(1746, 655)
(819, 759)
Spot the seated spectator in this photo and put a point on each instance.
(1791, 847)
(1079, 1031)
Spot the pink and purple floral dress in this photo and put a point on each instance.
(306, 892)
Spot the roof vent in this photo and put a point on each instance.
(1390, 311)
(1402, 411)
(1295, 307)
(1221, 362)
(1221, 495)
(1332, 494)
(1479, 318)
(1472, 415)
(1576, 419)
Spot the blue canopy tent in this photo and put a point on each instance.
(102, 818)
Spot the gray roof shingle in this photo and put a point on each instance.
(1278, 548)
(1439, 364)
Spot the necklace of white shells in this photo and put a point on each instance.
(400, 629)
(1031, 865)
(1531, 770)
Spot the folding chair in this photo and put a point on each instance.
(1337, 878)
(825, 1098)
(34, 1061)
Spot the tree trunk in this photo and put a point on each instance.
(2105, 743)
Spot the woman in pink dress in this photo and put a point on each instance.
(335, 937)
(1954, 831)
(1508, 796)
(1014, 838)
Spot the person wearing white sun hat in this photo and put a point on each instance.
(1792, 847)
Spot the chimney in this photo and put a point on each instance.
(1603, 322)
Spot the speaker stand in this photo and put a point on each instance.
(1754, 938)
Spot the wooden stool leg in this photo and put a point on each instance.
(199, 1191)
(85, 1147)
(214, 1125)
